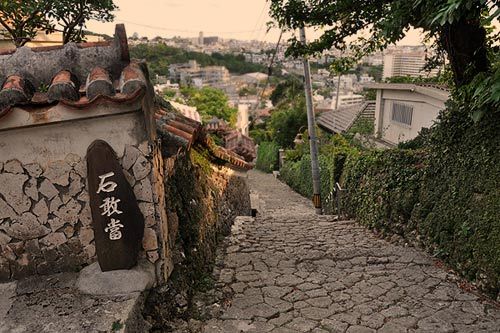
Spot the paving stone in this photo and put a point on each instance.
(262, 310)
(4, 239)
(69, 212)
(302, 324)
(31, 190)
(247, 301)
(34, 170)
(275, 291)
(299, 272)
(150, 241)
(143, 191)
(360, 329)
(130, 156)
(54, 239)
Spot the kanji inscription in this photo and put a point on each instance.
(117, 220)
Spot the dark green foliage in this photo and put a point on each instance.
(287, 90)
(298, 175)
(160, 56)
(383, 187)
(260, 135)
(297, 169)
(267, 157)
(447, 194)
(287, 120)
(362, 126)
(117, 326)
(446, 21)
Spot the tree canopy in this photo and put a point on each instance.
(23, 19)
(458, 26)
(210, 103)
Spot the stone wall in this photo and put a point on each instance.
(203, 199)
(45, 219)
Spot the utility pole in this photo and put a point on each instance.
(311, 123)
(338, 93)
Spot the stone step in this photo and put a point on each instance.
(89, 301)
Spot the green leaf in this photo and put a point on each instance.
(478, 115)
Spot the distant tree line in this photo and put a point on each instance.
(161, 56)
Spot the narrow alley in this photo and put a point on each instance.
(293, 271)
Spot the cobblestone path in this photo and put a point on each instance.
(292, 271)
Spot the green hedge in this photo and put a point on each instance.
(446, 195)
(383, 187)
(442, 192)
(267, 157)
(298, 175)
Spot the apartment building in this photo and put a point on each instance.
(191, 72)
(406, 62)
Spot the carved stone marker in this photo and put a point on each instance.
(117, 220)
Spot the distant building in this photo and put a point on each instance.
(201, 38)
(345, 100)
(214, 75)
(406, 62)
(243, 122)
(365, 78)
(192, 74)
(210, 40)
(159, 88)
(402, 110)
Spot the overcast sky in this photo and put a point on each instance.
(239, 19)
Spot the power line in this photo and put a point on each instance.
(271, 63)
(191, 31)
(261, 16)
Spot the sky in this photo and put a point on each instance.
(239, 19)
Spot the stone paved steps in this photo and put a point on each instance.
(289, 270)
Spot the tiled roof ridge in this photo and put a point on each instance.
(180, 131)
(65, 89)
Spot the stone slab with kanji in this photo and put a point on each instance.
(117, 220)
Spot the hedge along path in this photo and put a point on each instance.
(292, 271)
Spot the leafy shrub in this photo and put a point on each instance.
(445, 195)
(267, 157)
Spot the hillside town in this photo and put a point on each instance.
(280, 166)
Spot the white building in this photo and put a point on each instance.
(402, 110)
(243, 122)
(365, 78)
(403, 62)
(347, 100)
(159, 88)
(192, 73)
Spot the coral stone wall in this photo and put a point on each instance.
(45, 219)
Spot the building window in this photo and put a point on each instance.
(402, 113)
